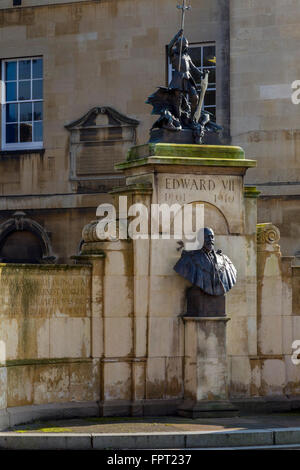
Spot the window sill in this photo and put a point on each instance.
(41, 151)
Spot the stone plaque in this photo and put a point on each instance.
(92, 160)
(222, 191)
(98, 140)
(45, 291)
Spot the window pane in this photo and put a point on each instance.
(209, 53)
(11, 71)
(37, 68)
(212, 77)
(11, 91)
(11, 133)
(195, 54)
(24, 91)
(11, 113)
(37, 89)
(38, 111)
(25, 132)
(210, 98)
(26, 112)
(38, 132)
(24, 69)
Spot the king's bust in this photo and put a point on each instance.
(209, 270)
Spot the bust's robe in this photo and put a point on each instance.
(213, 272)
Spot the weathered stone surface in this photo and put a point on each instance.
(117, 381)
(45, 335)
(165, 337)
(221, 191)
(44, 291)
(262, 113)
(118, 336)
(205, 359)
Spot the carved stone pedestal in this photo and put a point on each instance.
(205, 369)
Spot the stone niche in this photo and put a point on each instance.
(23, 240)
(98, 140)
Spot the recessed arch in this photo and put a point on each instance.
(213, 217)
(23, 240)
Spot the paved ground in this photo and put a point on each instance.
(161, 424)
(261, 431)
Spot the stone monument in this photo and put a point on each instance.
(171, 170)
(212, 275)
(165, 362)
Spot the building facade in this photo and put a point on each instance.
(75, 78)
(98, 61)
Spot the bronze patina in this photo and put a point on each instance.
(182, 118)
(212, 275)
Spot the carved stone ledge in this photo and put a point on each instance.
(90, 235)
(268, 236)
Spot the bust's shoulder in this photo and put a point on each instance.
(223, 258)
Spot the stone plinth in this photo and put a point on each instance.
(205, 368)
(200, 304)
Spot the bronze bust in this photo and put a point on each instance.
(212, 275)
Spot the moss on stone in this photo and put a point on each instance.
(251, 192)
(179, 154)
(47, 361)
(185, 150)
(11, 268)
(165, 160)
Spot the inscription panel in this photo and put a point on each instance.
(93, 160)
(45, 294)
(223, 191)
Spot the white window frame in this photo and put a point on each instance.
(210, 88)
(19, 145)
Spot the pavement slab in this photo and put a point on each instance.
(108, 425)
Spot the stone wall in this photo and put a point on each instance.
(106, 43)
(108, 335)
(8, 4)
(271, 372)
(264, 45)
(45, 336)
